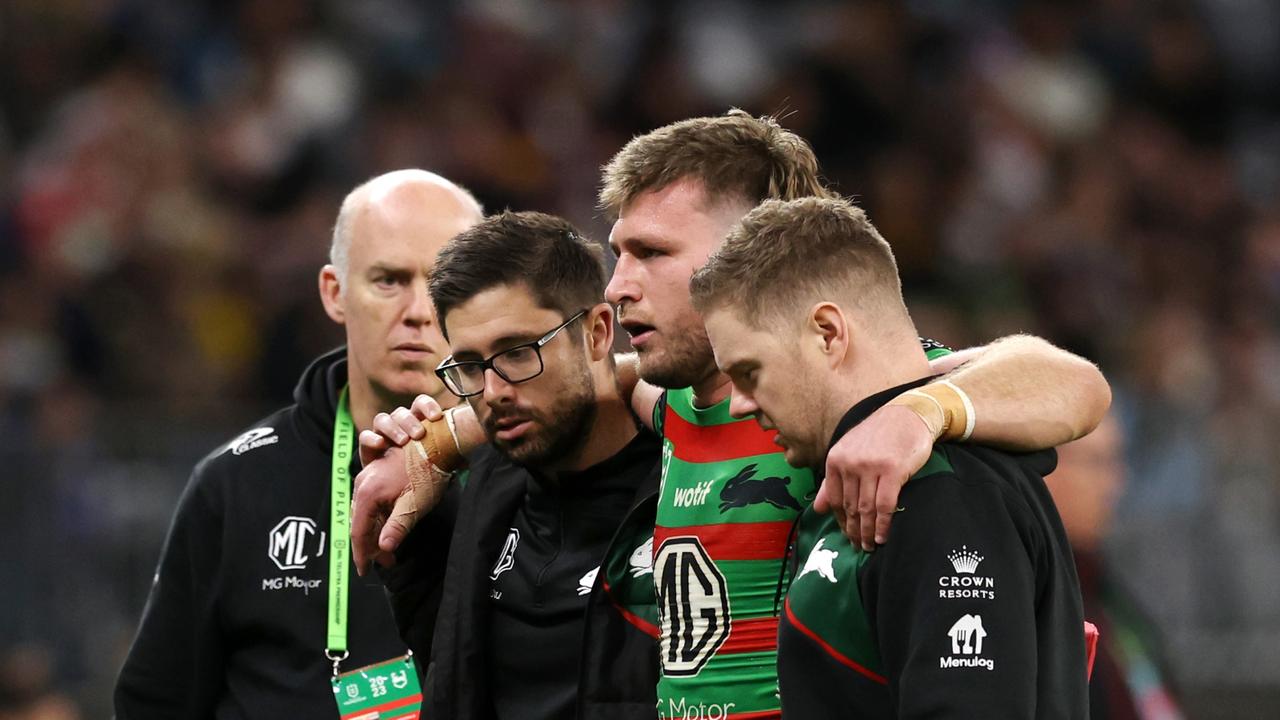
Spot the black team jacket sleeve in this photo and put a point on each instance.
(1002, 641)
(971, 610)
(175, 667)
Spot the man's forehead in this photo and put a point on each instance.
(406, 226)
(728, 334)
(388, 255)
(497, 314)
(688, 194)
(675, 217)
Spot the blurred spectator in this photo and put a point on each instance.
(27, 687)
(1130, 679)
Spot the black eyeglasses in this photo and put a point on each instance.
(515, 364)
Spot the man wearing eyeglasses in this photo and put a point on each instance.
(518, 298)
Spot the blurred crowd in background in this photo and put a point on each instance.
(1105, 174)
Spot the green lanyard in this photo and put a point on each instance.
(340, 533)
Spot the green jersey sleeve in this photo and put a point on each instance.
(934, 349)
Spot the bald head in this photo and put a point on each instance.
(404, 200)
(385, 243)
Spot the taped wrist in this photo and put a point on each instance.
(944, 408)
(430, 464)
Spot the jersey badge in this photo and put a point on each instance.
(507, 558)
(821, 561)
(745, 489)
(586, 582)
(641, 560)
(253, 440)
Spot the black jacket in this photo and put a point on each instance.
(972, 609)
(235, 623)
(619, 667)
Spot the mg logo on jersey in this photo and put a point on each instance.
(693, 606)
(289, 542)
(745, 489)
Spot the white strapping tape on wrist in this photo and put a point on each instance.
(453, 427)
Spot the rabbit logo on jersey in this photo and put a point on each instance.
(641, 560)
(821, 561)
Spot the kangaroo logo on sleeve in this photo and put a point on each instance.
(744, 489)
(507, 558)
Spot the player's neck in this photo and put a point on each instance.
(868, 373)
(713, 389)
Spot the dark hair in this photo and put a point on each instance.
(562, 270)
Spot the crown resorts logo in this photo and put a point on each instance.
(965, 584)
(965, 560)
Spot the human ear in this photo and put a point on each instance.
(599, 326)
(829, 331)
(331, 294)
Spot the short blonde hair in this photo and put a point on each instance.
(786, 255)
(734, 156)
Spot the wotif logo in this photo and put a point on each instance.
(287, 542)
(694, 496)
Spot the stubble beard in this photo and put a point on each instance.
(559, 432)
(686, 360)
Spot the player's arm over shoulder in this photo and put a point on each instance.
(1026, 393)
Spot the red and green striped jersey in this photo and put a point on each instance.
(727, 501)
